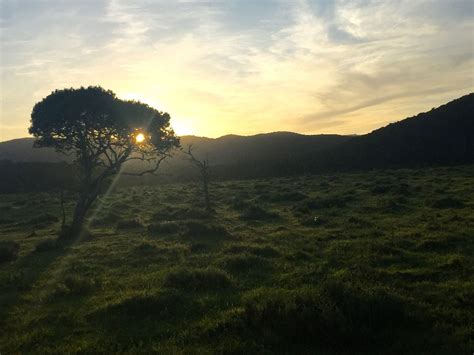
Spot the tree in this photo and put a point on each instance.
(102, 132)
(203, 167)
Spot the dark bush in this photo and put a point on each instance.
(8, 251)
(198, 279)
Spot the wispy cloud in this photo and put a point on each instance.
(242, 67)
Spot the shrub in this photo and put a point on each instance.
(8, 251)
(198, 279)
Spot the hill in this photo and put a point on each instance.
(22, 150)
(441, 136)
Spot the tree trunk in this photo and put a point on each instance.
(79, 215)
(207, 200)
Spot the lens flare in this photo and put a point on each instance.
(139, 138)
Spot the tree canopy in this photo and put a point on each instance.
(102, 132)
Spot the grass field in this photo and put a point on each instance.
(377, 262)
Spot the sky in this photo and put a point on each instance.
(243, 66)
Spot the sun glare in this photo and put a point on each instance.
(139, 138)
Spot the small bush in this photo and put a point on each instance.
(8, 251)
(198, 279)
(256, 213)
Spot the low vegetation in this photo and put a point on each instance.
(376, 262)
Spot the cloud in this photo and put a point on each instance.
(243, 67)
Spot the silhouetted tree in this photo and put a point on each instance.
(203, 167)
(102, 132)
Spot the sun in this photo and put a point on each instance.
(139, 138)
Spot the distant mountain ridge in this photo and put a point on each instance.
(223, 150)
(441, 136)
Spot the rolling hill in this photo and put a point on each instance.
(441, 136)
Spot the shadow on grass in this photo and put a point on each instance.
(27, 270)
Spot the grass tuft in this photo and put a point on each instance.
(198, 279)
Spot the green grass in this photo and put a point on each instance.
(377, 262)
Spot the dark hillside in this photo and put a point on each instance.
(442, 136)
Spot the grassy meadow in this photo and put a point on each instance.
(377, 262)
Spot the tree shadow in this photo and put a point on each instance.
(24, 274)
